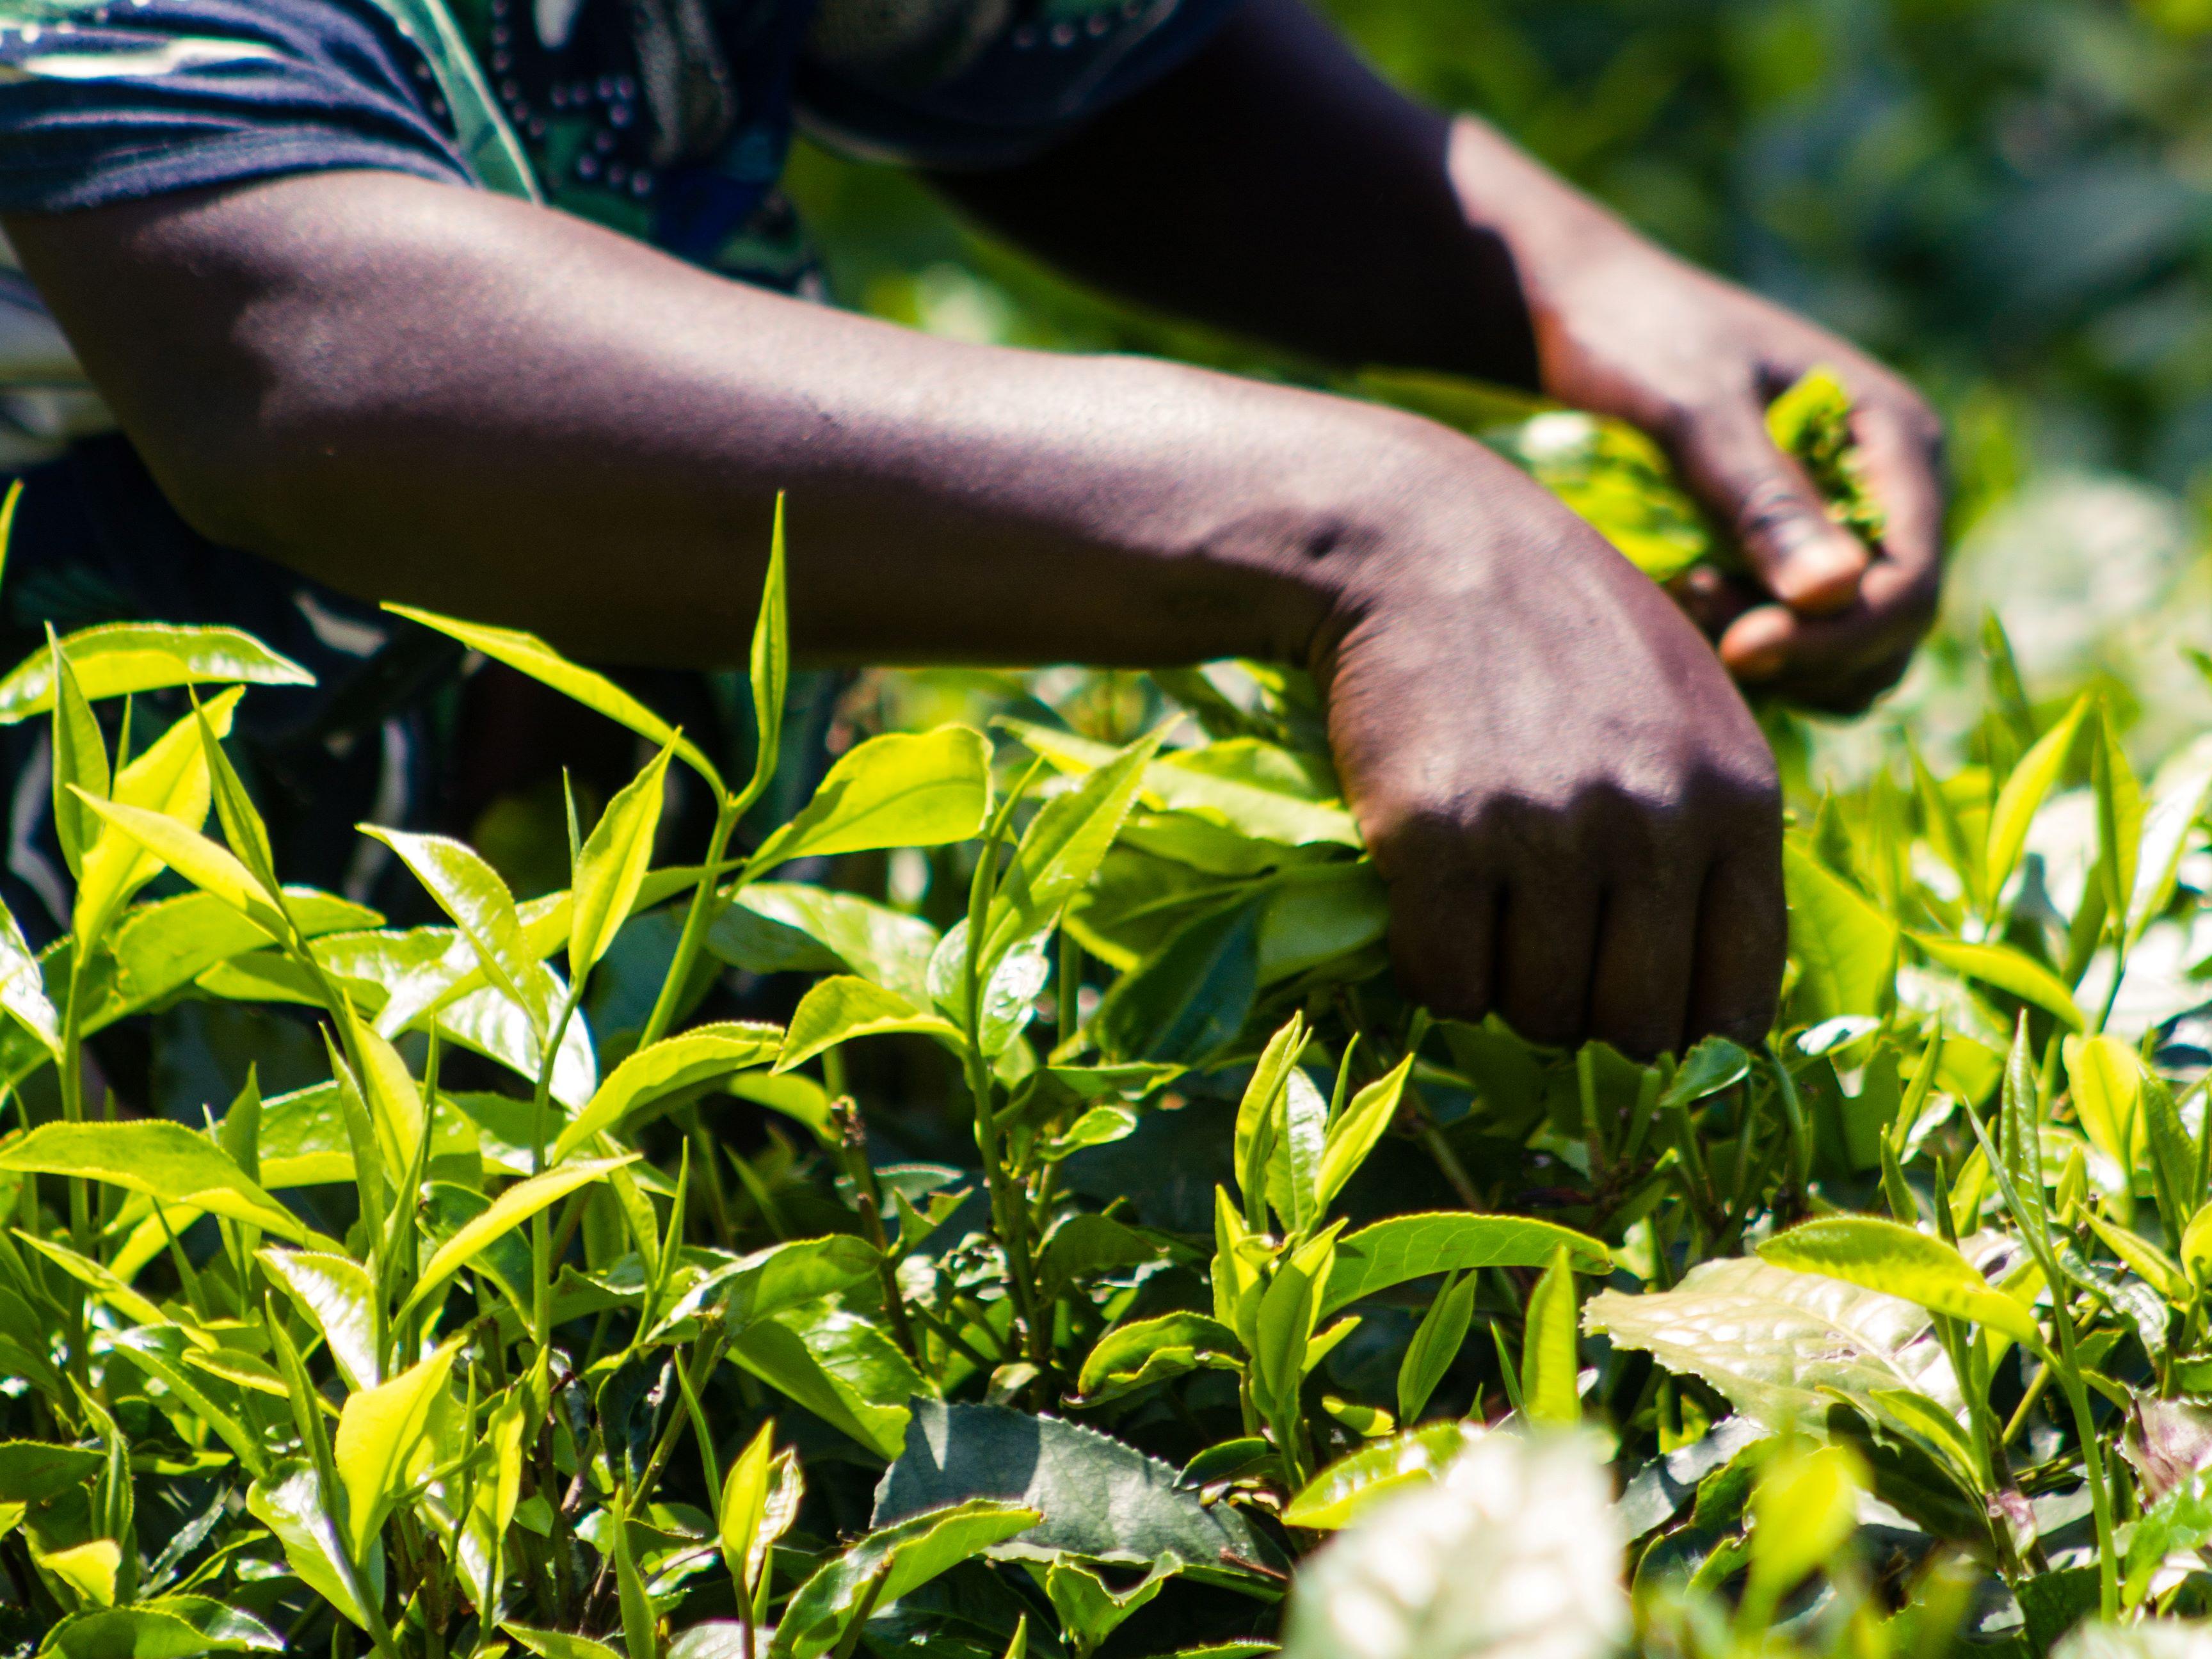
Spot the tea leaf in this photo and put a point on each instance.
(744, 1506)
(1549, 1354)
(1885, 1257)
(2009, 970)
(1244, 784)
(1089, 1612)
(838, 1010)
(2024, 792)
(1845, 949)
(1804, 1509)
(508, 1212)
(900, 790)
(1340, 1493)
(1188, 998)
(80, 760)
(2178, 794)
(291, 1502)
(1258, 1113)
(1435, 1346)
(2108, 1097)
(1147, 1350)
(23, 988)
(118, 659)
(470, 892)
(612, 865)
(165, 1161)
(704, 1053)
(833, 930)
(1414, 1246)
(207, 865)
(838, 1366)
(889, 1562)
(380, 1437)
(528, 655)
(1353, 1133)
(170, 777)
(337, 1295)
(1061, 850)
(1781, 1345)
(770, 664)
(1096, 1497)
(170, 1627)
(559, 1644)
(31, 1472)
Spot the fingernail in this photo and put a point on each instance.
(1822, 572)
(1763, 663)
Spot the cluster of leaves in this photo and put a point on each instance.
(526, 1328)
(1614, 475)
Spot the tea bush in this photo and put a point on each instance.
(1259, 1307)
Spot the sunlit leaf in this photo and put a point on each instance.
(841, 1009)
(1885, 1257)
(1778, 1344)
(904, 789)
(528, 655)
(1414, 1246)
(698, 1055)
(611, 868)
(380, 1434)
(165, 1161)
(1339, 1493)
(508, 1212)
(888, 1563)
(116, 659)
(291, 1504)
(2038, 770)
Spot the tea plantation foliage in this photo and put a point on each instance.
(1258, 1308)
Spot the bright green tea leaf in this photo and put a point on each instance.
(904, 789)
(1885, 1257)
(1414, 1246)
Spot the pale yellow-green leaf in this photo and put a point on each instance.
(1887, 1256)
(381, 1433)
(610, 869)
(171, 778)
(2038, 770)
(508, 1212)
(2008, 970)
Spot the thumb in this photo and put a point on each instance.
(1799, 553)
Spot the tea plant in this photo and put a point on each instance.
(1260, 1307)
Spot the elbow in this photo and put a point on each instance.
(240, 479)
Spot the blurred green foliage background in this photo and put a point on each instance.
(2009, 199)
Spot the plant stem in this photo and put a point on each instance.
(697, 920)
(868, 1199)
(541, 1252)
(72, 1082)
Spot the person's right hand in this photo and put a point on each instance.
(1578, 819)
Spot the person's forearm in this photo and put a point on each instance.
(582, 436)
(1276, 186)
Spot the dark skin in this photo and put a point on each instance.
(421, 392)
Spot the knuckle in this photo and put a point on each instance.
(1416, 836)
(1771, 510)
(1739, 796)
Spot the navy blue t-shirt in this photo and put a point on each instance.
(668, 119)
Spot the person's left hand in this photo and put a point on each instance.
(1623, 328)
(1694, 362)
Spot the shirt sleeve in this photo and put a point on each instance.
(113, 102)
(987, 85)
